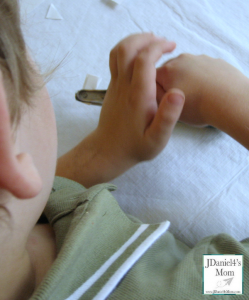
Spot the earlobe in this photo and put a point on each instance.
(21, 178)
(29, 182)
(18, 174)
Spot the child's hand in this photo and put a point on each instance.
(208, 84)
(132, 127)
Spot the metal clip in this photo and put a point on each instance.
(94, 97)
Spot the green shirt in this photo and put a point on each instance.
(105, 254)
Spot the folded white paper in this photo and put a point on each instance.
(91, 82)
(53, 13)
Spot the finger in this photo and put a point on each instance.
(160, 92)
(164, 73)
(162, 76)
(131, 46)
(128, 49)
(113, 64)
(166, 117)
(144, 73)
(125, 48)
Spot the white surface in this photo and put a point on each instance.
(29, 5)
(53, 13)
(117, 1)
(200, 181)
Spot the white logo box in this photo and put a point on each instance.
(222, 274)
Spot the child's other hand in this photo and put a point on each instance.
(132, 127)
(208, 84)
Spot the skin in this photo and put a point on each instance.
(139, 113)
(132, 127)
(216, 93)
(28, 159)
(28, 156)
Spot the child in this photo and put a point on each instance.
(90, 249)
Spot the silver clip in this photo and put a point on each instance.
(94, 97)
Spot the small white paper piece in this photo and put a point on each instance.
(53, 13)
(91, 82)
(117, 1)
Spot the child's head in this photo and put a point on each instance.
(28, 152)
(27, 129)
(16, 69)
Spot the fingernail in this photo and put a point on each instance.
(176, 99)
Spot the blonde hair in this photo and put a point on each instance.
(14, 64)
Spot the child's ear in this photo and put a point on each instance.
(18, 174)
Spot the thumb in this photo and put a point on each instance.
(167, 115)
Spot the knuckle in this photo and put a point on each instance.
(123, 49)
(203, 56)
(170, 66)
(146, 55)
(184, 56)
(141, 58)
(181, 56)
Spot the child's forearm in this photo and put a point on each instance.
(88, 164)
(229, 112)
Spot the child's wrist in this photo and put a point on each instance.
(106, 157)
(227, 105)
